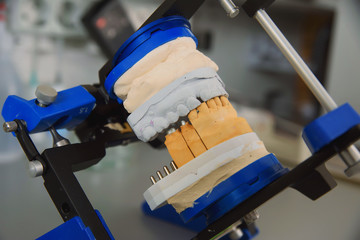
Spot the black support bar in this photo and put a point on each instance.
(252, 6)
(59, 180)
(185, 8)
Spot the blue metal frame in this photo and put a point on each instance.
(70, 108)
(167, 213)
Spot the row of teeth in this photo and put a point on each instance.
(174, 102)
(159, 124)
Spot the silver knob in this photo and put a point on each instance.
(10, 126)
(35, 168)
(236, 233)
(45, 95)
(231, 9)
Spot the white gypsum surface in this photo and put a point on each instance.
(157, 69)
(187, 198)
(175, 100)
(193, 171)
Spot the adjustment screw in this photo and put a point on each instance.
(45, 95)
(10, 126)
(35, 168)
(251, 217)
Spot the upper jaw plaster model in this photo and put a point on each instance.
(158, 69)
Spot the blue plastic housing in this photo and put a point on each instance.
(74, 229)
(224, 197)
(330, 126)
(235, 189)
(167, 213)
(70, 108)
(144, 41)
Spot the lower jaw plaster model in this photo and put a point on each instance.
(175, 81)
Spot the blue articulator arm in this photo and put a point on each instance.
(71, 107)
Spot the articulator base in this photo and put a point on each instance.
(327, 136)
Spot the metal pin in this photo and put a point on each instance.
(159, 175)
(153, 180)
(231, 9)
(171, 130)
(59, 140)
(166, 169)
(10, 126)
(173, 166)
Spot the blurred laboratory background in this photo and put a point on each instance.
(64, 43)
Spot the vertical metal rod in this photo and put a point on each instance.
(349, 156)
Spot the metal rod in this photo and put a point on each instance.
(351, 155)
(295, 60)
(10, 126)
(159, 175)
(152, 179)
(166, 170)
(231, 9)
(173, 166)
(59, 140)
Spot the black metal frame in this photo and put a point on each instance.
(310, 178)
(88, 20)
(59, 180)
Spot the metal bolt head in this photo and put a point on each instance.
(10, 126)
(35, 168)
(233, 13)
(353, 170)
(252, 216)
(45, 94)
(231, 9)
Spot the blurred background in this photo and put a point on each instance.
(65, 42)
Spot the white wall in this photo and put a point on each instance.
(344, 71)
